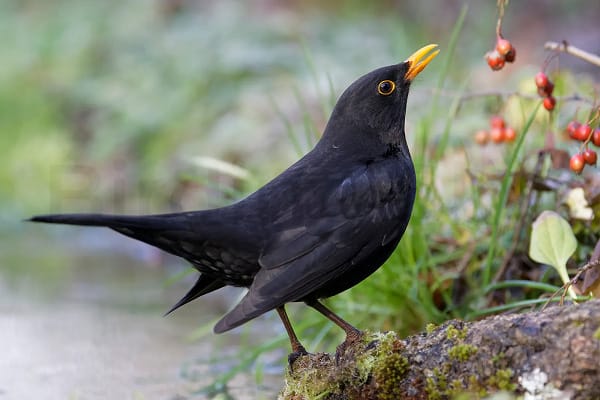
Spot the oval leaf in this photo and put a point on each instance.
(552, 242)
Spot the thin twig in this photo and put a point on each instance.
(574, 51)
(574, 280)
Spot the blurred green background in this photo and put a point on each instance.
(107, 105)
(143, 106)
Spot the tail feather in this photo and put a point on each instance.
(165, 231)
(107, 220)
(205, 284)
(169, 232)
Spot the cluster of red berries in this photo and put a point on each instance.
(498, 132)
(583, 133)
(545, 87)
(504, 52)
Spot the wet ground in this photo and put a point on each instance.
(80, 322)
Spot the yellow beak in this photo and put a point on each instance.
(418, 61)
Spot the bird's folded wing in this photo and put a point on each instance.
(360, 200)
(290, 282)
(356, 218)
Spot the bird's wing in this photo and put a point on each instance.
(360, 214)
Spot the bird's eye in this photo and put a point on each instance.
(386, 87)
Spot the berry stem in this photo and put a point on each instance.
(594, 116)
(501, 5)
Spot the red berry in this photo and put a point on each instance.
(572, 129)
(596, 137)
(510, 134)
(497, 134)
(511, 55)
(481, 137)
(547, 90)
(549, 103)
(577, 163)
(495, 60)
(590, 157)
(497, 121)
(541, 80)
(503, 46)
(583, 132)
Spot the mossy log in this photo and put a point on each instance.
(549, 354)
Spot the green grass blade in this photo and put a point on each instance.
(523, 284)
(502, 198)
(517, 304)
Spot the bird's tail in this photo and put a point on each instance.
(164, 231)
(107, 220)
(169, 232)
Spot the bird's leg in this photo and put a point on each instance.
(297, 348)
(352, 334)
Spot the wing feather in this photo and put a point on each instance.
(315, 251)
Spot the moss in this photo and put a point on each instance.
(436, 384)
(437, 387)
(455, 388)
(430, 327)
(308, 382)
(498, 357)
(474, 386)
(389, 375)
(462, 352)
(441, 378)
(597, 334)
(390, 367)
(431, 388)
(502, 380)
(376, 366)
(453, 333)
(376, 356)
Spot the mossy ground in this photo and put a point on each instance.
(382, 366)
(372, 363)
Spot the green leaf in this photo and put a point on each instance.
(552, 242)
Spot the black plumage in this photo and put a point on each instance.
(319, 228)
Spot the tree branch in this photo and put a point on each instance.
(554, 352)
(574, 51)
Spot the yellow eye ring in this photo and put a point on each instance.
(386, 87)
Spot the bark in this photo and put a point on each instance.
(550, 354)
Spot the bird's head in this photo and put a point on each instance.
(372, 109)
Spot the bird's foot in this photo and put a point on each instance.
(351, 337)
(294, 355)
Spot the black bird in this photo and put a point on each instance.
(322, 226)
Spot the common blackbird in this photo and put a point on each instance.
(322, 226)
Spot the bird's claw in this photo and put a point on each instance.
(293, 356)
(351, 337)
